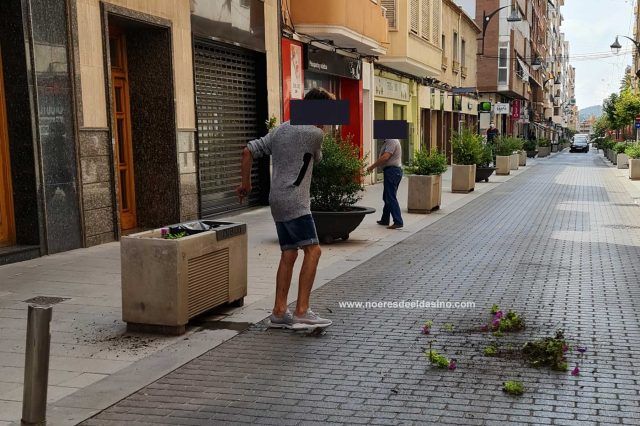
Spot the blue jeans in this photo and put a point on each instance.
(392, 178)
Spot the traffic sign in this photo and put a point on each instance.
(637, 124)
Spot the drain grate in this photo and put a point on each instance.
(46, 300)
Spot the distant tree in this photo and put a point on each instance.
(627, 107)
(610, 111)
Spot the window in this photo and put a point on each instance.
(435, 19)
(414, 15)
(463, 52)
(455, 47)
(425, 16)
(390, 14)
(503, 63)
(444, 46)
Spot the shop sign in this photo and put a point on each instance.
(515, 109)
(501, 108)
(323, 61)
(387, 88)
(297, 83)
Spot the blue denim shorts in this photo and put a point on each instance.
(297, 233)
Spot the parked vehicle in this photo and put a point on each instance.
(580, 142)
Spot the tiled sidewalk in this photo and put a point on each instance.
(559, 244)
(89, 343)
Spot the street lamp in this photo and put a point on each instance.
(513, 17)
(616, 46)
(536, 63)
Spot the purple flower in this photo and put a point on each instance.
(575, 371)
(453, 365)
(565, 348)
(496, 322)
(581, 349)
(484, 327)
(498, 315)
(426, 329)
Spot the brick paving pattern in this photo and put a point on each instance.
(559, 244)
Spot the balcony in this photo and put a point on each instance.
(358, 24)
(445, 63)
(455, 66)
(463, 71)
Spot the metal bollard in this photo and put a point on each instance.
(36, 366)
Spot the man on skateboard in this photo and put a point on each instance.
(294, 149)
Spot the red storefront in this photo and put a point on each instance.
(305, 67)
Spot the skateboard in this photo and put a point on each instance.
(311, 331)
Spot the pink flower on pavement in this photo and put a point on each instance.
(453, 364)
(565, 348)
(426, 329)
(498, 315)
(484, 327)
(581, 349)
(496, 323)
(575, 371)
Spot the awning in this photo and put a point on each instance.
(464, 90)
(525, 70)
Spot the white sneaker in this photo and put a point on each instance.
(310, 320)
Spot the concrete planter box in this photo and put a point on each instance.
(167, 282)
(523, 158)
(623, 161)
(463, 178)
(544, 151)
(425, 193)
(554, 147)
(503, 165)
(634, 168)
(514, 161)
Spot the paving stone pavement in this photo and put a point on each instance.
(559, 244)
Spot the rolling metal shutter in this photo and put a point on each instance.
(226, 108)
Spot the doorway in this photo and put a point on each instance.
(379, 113)
(122, 128)
(7, 231)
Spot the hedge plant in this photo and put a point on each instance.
(466, 146)
(427, 163)
(633, 151)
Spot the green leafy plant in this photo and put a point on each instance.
(448, 327)
(490, 351)
(633, 151)
(494, 309)
(271, 123)
(529, 145)
(175, 236)
(513, 387)
(507, 145)
(544, 142)
(337, 179)
(620, 147)
(427, 163)
(486, 156)
(437, 359)
(547, 352)
(466, 146)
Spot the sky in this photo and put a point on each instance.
(591, 26)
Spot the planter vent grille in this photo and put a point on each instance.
(208, 281)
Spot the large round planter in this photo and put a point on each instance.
(532, 154)
(463, 178)
(425, 193)
(483, 173)
(332, 226)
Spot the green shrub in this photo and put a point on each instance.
(466, 146)
(438, 360)
(486, 156)
(427, 163)
(529, 145)
(620, 147)
(633, 151)
(507, 145)
(337, 179)
(544, 142)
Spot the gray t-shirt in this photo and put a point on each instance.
(393, 147)
(293, 150)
